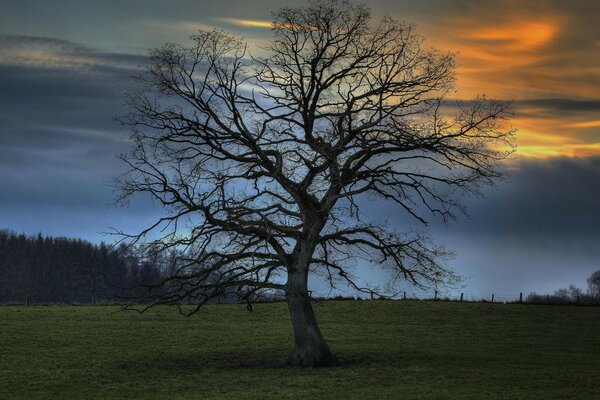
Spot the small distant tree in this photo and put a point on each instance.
(569, 294)
(594, 285)
(264, 164)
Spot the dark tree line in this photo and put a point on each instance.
(42, 269)
(571, 294)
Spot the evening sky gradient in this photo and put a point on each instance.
(65, 65)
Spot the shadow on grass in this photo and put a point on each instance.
(196, 362)
(277, 359)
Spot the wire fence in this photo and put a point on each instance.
(481, 297)
(440, 296)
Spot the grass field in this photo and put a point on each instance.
(386, 350)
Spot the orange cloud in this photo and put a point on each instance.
(517, 56)
(523, 57)
(551, 137)
(566, 150)
(586, 124)
(522, 36)
(250, 23)
(247, 22)
(494, 56)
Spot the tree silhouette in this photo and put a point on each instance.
(594, 285)
(43, 269)
(262, 163)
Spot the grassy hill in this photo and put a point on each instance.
(386, 350)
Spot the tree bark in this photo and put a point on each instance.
(311, 350)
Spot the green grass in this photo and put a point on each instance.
(387, 350)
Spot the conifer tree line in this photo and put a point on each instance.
(40, 269)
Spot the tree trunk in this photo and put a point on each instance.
(311, 350)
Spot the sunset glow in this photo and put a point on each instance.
(521, 58)
(586, 124)
(508, 55)
(516, 57)
(522, 36)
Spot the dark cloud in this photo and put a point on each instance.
(21, 46)
(543, 108)
(27, 42)
(560, 105)
(553, 108)
(558, 197)
(59, 140)
(537, 231)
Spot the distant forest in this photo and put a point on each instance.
(40, 269)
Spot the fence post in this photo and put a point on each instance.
(520, 297)
(461, 296)
(492, 297)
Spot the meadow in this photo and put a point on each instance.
(385, 350)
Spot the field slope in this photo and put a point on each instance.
(386, 350)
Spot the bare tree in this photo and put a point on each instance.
(594, 285)
(568, 294)
(263, 163)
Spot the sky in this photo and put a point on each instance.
(65, 66)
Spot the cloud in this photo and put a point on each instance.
(554, 106)
(541, 198)
(552, 127)
(558, 127)
(59, 139)
(246, 23)
(538, 231)
(52, 53)
(586, 124)
(556, 197)
(540, 50)
(522, 36)
(517, 50)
